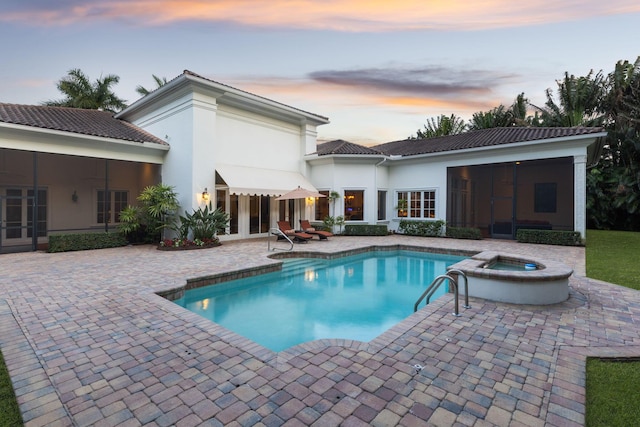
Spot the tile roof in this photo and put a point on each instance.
(75, 120)
(480, 138)
(340, 146)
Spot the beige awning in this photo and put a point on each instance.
(267, 182)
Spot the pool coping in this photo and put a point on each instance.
(276, 358)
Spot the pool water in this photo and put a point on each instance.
(357, 297)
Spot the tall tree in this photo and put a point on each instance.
(579, 102)
(441, 126)
(501, 116)
(617, 177)
(81, 93)
(159, 83)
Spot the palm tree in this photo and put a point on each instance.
(159, 83)
(501, 116)
(81, 93)
(441, 126)
(579, 102)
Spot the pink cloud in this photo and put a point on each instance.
(336, 15)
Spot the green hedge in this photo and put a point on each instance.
(421, 228)
(464, 233)
(84, 241)
(365, 230)
(549, 237)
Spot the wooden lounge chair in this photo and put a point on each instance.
(307, 228)
(296, 236)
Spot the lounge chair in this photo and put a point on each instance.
(307, 228)
(296, 236)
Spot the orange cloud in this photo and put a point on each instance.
(336, 15)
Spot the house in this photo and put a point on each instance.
(497, 180)
(68, 170)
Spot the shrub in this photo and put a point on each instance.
(84, 241)
(365, 230)
(202, 223)
(549, 237)
(464, 233)
(422, 228)
(159, 204)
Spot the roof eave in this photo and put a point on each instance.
(595, 136)
(73, 140)
(222, 92)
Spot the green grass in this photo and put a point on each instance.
(612, 393)
(9, 411)
(612, 385)
(612, 256)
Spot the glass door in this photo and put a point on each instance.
(16, 216)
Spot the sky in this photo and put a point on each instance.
(377, 69)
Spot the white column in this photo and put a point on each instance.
(580, 194)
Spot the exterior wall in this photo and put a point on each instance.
(352, 174)
(248, 139)
(204, 132)
(430, 173)
(175, 122)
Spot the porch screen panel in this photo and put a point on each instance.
(41, 212)
(14, 214)
(104, 207)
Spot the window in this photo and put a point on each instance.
(382, 205)
(233, 213)
(353, 205)
(416, 204)
(118, 199)
(322, 206)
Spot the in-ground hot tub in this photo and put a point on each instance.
(546, 283)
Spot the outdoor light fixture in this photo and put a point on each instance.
(74, 196)
(205, 195)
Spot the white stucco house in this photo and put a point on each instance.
(70, 170)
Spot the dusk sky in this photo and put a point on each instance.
(377, 69)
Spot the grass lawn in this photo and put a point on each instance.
(612, 386)
(9, 412)
(612, 256)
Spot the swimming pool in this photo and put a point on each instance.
(356, 297)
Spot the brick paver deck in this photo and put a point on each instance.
(89, 343)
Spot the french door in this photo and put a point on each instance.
(22, 216)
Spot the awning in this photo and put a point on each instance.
(258, 181)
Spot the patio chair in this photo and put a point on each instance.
(296, 236)
(307, 228)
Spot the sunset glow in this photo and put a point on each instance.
(334, 15)
(377, 69)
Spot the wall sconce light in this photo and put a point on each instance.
(74, 196)
(205, 195)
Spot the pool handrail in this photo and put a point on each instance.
(466, 285)
(434, 286)
(274, 231)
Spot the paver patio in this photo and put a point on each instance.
(89, 343)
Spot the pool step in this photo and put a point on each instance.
(298, 265)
